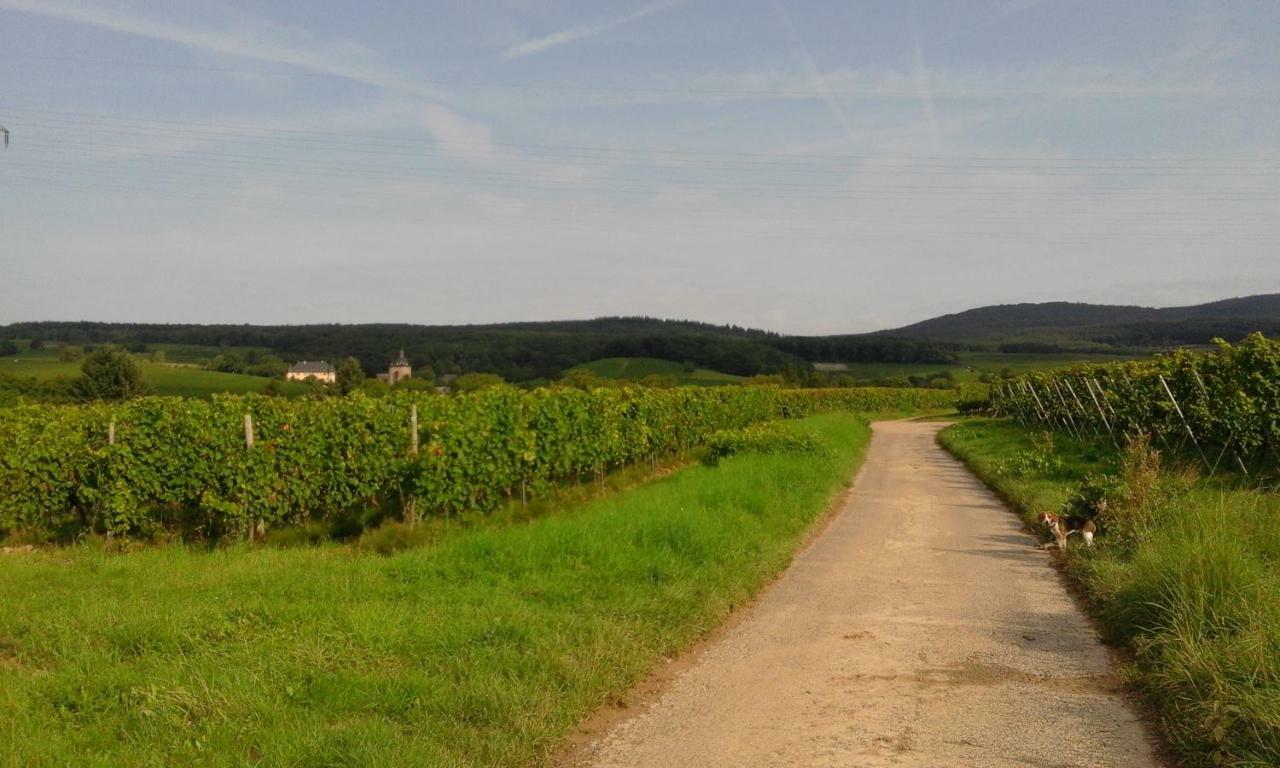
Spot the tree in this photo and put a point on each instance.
(350, 375)
(474, 382)
(36, 344)
(108, 374)
(8, 348)
(230, 361)
(581, 378)
(415, 384)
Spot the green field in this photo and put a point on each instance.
(970, 365)
(484, 648)
(1184, 574)
(637, 368)
(168, 378)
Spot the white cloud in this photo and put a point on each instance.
(458, 136)
(562, 37)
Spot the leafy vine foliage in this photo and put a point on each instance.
(158, 462)
(1228, 400)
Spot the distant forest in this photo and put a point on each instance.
(517, 351)
(1059, 325)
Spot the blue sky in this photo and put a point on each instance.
(808, 167)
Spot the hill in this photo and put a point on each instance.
(1024, 327)
(186, 379)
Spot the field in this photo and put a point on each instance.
(482, 649)
(1185, 578)
(181, 374)
(637, 368)
(970, 365)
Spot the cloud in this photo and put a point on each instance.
(458, 136)
(257, 39)
(562, 37)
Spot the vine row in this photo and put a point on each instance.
(239, 463)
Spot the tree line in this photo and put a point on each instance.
(516, 352)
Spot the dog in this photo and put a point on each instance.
(1062, 526)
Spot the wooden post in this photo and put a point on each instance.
(111, 432)
(413, 429)
(248, 431)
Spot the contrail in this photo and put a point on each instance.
(793, 35)
(920, 74)
(578, 33)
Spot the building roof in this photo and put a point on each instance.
(400, 361)
(311, 366)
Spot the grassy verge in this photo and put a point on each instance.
(1186, 576)
(484, 648)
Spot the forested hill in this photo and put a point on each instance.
(1067, 323)
(516, 351)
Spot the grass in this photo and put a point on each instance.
(483, 648)
(1186, 576)
(637, 368)
(168, 378)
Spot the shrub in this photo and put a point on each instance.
(772, 437)
(1039, 459)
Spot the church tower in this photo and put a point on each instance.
(399, 369)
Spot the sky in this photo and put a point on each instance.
(806, 167)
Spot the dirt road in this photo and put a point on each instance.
(921, 628)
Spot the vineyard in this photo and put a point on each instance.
(239, 463)
(1223, 408)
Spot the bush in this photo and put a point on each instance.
(109, 374)
(1040, 459)
(772, 437)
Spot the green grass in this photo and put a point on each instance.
(636, 368)
(1192, 589)
(163, 378)
(484, 648)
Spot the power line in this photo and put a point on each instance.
(348, 138)
(740, 93)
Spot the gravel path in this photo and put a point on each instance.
(922, 628)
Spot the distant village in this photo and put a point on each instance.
(323, 371)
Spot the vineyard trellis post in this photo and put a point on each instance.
(257, 529)
(413, 429)
(111, 431)
(1101, 413)
(1155, 427)
(1075, 431)
(1044, 415)
(1185, 424)
(1230, 435)
(1083, 412)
